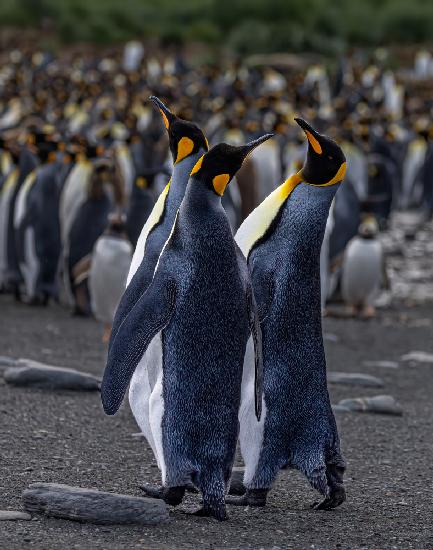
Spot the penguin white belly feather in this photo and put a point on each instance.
(362, 271)
(110, 263)
(30, 267)
(5, 203)
(152, 220)
(251, 430)
(144, 392)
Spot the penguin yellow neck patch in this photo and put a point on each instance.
(197, 165)
(287, 187)
(258, 222)
(220, 183)
(184, 148)
(317, 148)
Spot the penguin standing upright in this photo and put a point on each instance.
(195, 317)
(37, 226)
(105, 193)
(282, 239)
(363, 269)
(187, 144)
(141, 202)
(26, 165)
(109, 268)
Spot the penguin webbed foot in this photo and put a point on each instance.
(335, 499)
(252, 497)
(215, 510)
(172, 496)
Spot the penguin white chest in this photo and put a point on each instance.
(362, 271)
(146, 399)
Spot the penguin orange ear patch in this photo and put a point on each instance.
(184, 148)
(197, 165)
(220, 183)
(141, 183)
(164, 118)
(317, 148)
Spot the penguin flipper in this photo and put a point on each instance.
(149, 315)
(256, 333)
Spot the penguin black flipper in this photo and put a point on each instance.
(151, 313)
(256, 332)
(264, 291)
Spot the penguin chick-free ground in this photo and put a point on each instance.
(197, 314)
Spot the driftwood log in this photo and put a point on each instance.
(91, 506)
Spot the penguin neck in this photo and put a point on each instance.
(202, 212)
(179, 180)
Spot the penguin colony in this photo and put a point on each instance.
(227, 275)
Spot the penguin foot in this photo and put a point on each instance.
(335, 499)
(172, 496)
(218, 513)
(252, 497)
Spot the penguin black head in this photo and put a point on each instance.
(218, 166)
(325, 163)
(185, 138)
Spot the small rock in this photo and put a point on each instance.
(236, 482)
(382, 364)
(379, 404)
(14, 515)
(38, 375)
(355, 379)
(92, 506)
(137, 435)
(6, 362)
(418, 357)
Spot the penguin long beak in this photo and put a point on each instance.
(249, 147)
(312, 136)
(167, 115)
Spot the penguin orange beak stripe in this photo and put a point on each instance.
(167, 115)
(313, 142)
(309, 132)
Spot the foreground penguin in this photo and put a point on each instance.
(282, 239)
(111, 258)
(194, 319)
(187, 144)
(363, 269)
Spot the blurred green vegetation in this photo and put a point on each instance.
(246, 26)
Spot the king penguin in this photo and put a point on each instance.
(109, 268)
(281, 240)
(363, 269)
(187, 144)
(196, 317)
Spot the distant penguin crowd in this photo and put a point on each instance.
(209, 232)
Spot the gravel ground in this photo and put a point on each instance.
(64, 437)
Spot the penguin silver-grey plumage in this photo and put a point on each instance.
(282, 239)
(187, 144)
(200, 310)
(109, 268)
(362, 269)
